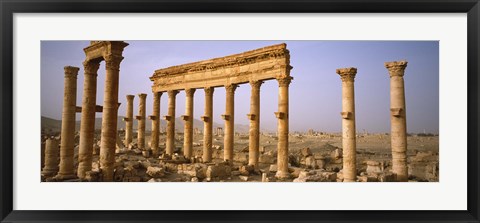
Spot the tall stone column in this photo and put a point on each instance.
(87, 123)
(141, 121)
(398, 119)
(348, 124)
(155, 123)
(208, 125)
(51, 158)
(67, 142)
(110, 115)
(229, 123)
(282, 117)
(188, 118)
(129, 120)
(254, 117)
(170, 143)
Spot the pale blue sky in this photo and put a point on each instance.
(315, 92)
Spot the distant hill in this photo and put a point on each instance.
(53, 125)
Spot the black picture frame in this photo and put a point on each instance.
(9, 7)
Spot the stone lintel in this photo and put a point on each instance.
(279, 115)
(205, 118)
(251, 116)
(396, 112)
(346, 115)
(185, 117)
(225, 117)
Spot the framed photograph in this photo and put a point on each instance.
(196, 111)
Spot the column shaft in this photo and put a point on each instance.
(51, 158)
(398, 119)
(156, 123)
(254, 117)
(129, 120)
(348, 124)
(68, 124)
(110, 115)
(282, 116)
(208, 125)
(87, 123)
(170, 144)
(141, 121)
(229, 123)
(188, 118)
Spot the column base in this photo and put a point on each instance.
(349, 180)
(282, 175)
(49, 173)
(65, 177)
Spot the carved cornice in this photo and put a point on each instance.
(71, 71)
(284, 81)
(209, 90)
(347, 74)
(90, 67)
(189, 92)
(245, 58)
(396, 68)
(172, 93)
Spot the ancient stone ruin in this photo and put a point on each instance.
(117, 157)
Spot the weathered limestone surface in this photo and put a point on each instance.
(129, 120)
(254, 117)
(208, 125)
(141, 121)
(229, 123)
(155, 123)
(68, 124)
(282, 117)
(188, 118)
(348, 123)
(87, 124)
(51, 158)
(170, 118)
(398, 119)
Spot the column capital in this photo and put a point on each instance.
(209, 90)
(71, 71)
(256, 84)
(130, 97)
(172, 93)
(90, 67)
(142, 96)
(112, 61)
(189, 92)
(347, 74)
(396, 68)
(284, 81)
(230, 88)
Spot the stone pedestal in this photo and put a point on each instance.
(50, 168)
(254, 117)
(68, 124)
(170, 118)
(398, 119)
(208, 125)
(229, 123)
(110, 115)
(348, 123)
(188, 118)
(129, 121)
(87, 123)
(141, 121)
(282, 117)
(155, 123)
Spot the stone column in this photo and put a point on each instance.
(129, 120)
(188, 118)
(254, 117)
(282, 116)
(208, 125)
(87, 123)
(348, 124)
(170, 118)
(141, 121)
(155, 123)
(67, 142)
(110, 115)
(51, 158)
(398, 119)
(229, 123)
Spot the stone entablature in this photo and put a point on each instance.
(271, 62)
